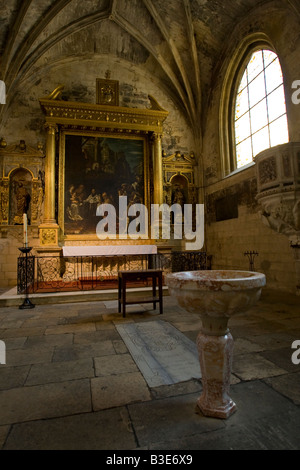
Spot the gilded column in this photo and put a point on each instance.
(49, 228)
(49, 206)
(157, 169)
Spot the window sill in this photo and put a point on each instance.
(240, 170)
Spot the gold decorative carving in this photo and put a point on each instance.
(22, 166)
(56, 94)
(179, 172)
(95, 116)
(154, 104)
(48, 236)
(4, 201)
(36, 202)
(107, 91)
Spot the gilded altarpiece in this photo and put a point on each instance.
(180, 176)
(102, 149)
(21, 183)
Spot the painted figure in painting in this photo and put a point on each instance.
(97, 171)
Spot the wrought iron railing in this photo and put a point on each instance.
(61, 273)
(25, 270)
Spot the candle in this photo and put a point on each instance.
(25, 230)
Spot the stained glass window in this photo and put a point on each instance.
(260, 108)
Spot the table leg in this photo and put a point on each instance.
(154, 290)
(119, 293)
(124, 296)
(160, 294)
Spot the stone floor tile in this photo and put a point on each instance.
(276, 433)
(113, 365)
(82, 319)
(169, 419)
(13, 377)
(41, 322)
(120, 347)
(287, 385)
(192, 335)
(4, 430)
(243, 346)
(15, 343)
(98, 335)
(60, 371)
(281, 358)
(113, 317)
(15, 333)
(254, 366)
(105, 430)
(256, 400)
(34, 355)
(70, 328)
(56, 313)
(273, 340)
(45, 401)
(119, 390)
(104, 325)
(187, 325)
(255, 328)
(77, 351)
(182, 388)
(49, 340)
(20, 315)
(8, 323)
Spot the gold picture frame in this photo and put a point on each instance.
(115, 163)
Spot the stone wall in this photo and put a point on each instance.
(10, 241)
(227, 240)
(233, 223)
(234, 226)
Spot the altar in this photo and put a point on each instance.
(109, 250)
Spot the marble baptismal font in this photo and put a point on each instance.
(216, 296)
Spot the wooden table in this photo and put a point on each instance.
(140, 275)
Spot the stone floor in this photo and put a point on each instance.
(70, 383)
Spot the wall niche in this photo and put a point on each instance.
(21, 183)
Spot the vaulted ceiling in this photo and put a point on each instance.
(179, 42)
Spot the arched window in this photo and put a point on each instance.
(260, 119)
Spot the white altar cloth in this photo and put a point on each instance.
(109, 250)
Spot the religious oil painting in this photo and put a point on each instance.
(98, 170)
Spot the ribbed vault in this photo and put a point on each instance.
(177, 42)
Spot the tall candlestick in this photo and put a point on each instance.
(25, 230)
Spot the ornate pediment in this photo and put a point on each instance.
(20, 148)
(102, 116)
(179, 158)
(20, 155)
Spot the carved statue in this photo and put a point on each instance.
(22, 198)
